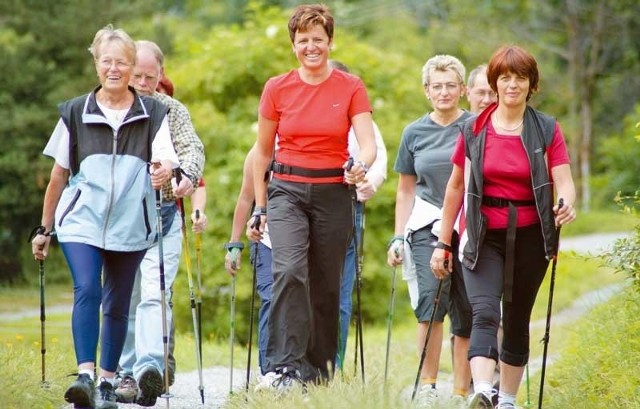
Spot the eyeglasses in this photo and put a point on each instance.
(450, 86)
(108, 62)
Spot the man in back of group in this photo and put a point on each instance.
(479, 93)
(142, 366)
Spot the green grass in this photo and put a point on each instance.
(599, 364)
(21, 357)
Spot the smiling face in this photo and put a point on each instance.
(312, 47)
(444, 90)
(513, 89)
(114, 66)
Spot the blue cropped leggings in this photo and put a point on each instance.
(89, 291)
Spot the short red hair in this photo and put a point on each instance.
(516, 60)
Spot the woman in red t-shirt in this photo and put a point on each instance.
(309, 211)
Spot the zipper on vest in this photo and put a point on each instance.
(114, 151)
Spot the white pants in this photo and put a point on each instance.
(144, 344)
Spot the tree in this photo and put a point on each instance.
(44, 61)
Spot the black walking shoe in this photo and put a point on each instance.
(105, 396)
(81, 391)
(127, 390)
(149, 386)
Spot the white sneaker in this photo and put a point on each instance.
(427, 397)
(481, 400)
(267, 381)
(506, 405)
(457, 402)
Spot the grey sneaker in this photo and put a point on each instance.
(127, 390)
(427, 397)
(289, 379)
(105, 396)
(149, 386)
(457, 402)
(480, 401)
(81, 392)
(505, 405)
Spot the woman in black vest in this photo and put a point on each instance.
(514, 158)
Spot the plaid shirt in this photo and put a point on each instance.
(186, 142)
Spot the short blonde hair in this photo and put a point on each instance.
(109, 34)
(443, 62)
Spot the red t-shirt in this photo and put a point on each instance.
(507, 173)
(313, 120)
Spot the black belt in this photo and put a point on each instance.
(283, 169)
(511, 237)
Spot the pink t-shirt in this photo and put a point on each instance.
(313, 120)
(507, 173)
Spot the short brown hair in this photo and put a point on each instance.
(306, 16)
(516, 60)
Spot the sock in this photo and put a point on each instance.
(460, 392)
(504, 397)
(87, 372)
(428, 381)
(483, 387)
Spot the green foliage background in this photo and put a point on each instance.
(219, 54)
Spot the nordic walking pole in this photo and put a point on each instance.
(199, 286)
(167, 394)
(232, 329)
(358, 265)
(390, 324)
(256, 226)
(436, 301)
(43, 318)
(547, 329)
(192, 300)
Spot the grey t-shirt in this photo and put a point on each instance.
(425, 151)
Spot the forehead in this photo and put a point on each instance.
(146, 62)
(314, 31)
(112, 48)
(437, 76)
(481, 81)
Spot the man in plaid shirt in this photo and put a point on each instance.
(142, 360)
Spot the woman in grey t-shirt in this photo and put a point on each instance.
(424, 165)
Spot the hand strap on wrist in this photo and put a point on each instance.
(259, 211)
(234, 245)
(397, 237)
(443, 246)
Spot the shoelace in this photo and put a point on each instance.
(128, 382)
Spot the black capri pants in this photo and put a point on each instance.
(485, 289)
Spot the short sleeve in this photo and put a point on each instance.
(557, 152)
(162, 147)
(457, 158)
(267, 102)
(404, 160)
(58, 145)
